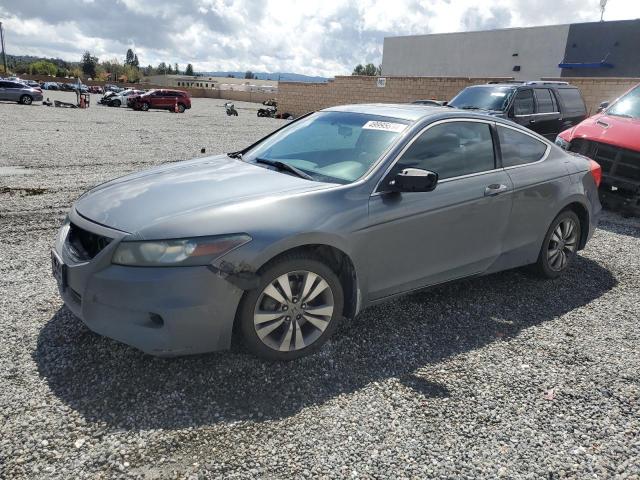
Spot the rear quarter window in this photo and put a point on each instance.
(572, 101)
(519, 148)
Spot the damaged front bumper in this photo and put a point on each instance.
(164, 311)
(620, 187)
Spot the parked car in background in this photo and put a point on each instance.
(96, 89)
(32, 83)
(163, 99)
(120, 99)
(104, 100)
(612, 138)
(546, 108)
(131, 99)
(339, 210)
(19, 92)
(112, 88)
(51, 86)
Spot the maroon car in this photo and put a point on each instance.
(174, 100)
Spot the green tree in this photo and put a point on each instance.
(136, 62)
(89, 64)
(129, 57)
(132, 73)
(189, 70)
(249, 75)
(113, 68)
(162, 68)
(43, 67)
(176, 68)
(369, 70)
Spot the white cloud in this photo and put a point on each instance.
(323, 37)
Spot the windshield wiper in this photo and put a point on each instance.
(234, 154)
(468, 107)
(284, 166)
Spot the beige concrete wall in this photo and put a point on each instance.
(298, 98)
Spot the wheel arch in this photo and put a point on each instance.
(336, 259)
(581, 210)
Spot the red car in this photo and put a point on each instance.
(163, 100)
(612, 138)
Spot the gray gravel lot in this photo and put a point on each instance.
(503, 376)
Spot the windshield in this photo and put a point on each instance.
(627, 106)
(331, 146)
(485, 98)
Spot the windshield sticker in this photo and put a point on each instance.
(386, 126)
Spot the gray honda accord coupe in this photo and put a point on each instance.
(336, 211)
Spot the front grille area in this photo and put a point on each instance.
(618, 164)
(85, 245)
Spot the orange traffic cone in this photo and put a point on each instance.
(175, 107)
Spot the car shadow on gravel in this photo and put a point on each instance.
(108, 382)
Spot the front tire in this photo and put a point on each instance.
(26, 100)
(293, 312)
(560, 245)
(181, 108)
(115, 103)
(145, 107)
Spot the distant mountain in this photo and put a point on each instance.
(13, 60)
(282, 76)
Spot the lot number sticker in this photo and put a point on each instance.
(386, 126)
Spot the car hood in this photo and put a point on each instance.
(181, 199)
(613, 130)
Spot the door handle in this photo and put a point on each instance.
(532, 121)
(495, 189)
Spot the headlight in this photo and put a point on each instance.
(62, 234)
(179, 253)
(562, 143)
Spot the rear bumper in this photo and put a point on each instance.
(161, 311)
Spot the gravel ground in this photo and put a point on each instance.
(503, 376)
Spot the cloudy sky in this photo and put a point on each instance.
(314, 37)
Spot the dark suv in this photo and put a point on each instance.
(163, 100)
(547, 108)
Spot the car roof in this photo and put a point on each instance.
(403, 111)
(529, 84)
(422, 113)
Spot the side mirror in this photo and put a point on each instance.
(414, 180)
(602, 106)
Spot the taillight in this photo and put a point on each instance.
(596, 171)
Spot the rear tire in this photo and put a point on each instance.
(181, 108)
(26, 100)
(560, 245)
(145, 107)
(302, 319)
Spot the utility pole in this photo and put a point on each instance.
(603, 5)
(4, 55)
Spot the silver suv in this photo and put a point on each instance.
(19, 92)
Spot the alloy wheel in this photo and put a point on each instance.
(562, 244)
(293, 311)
